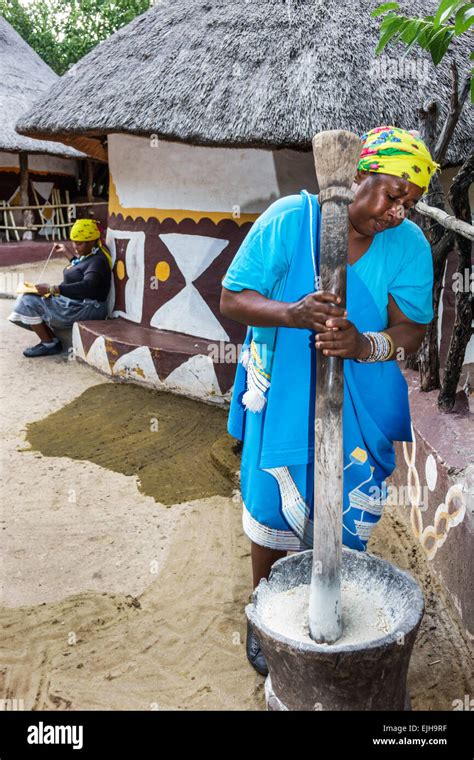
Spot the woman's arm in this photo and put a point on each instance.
(406, 334)
(61, 248)
(252, 308)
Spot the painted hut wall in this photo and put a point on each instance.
(177, 215)
(169, 175)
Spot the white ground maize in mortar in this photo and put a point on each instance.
(364, 614)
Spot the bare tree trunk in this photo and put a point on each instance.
(459, 200)
(456, 104)
(426, 359)
(435, 196)
(428, 352)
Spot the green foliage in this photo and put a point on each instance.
(453, 18)
(64, 31)
(385, 7)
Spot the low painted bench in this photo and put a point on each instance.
(157, 358)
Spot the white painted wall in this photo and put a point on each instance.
(171, 175)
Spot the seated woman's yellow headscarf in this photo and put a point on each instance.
(402, 153)
(84, 230)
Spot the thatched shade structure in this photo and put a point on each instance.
(25, 78)
(209, 108)
(28, 164)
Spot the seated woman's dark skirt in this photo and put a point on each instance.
(56, 311)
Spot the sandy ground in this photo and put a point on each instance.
(114, 601)
(111, 600)
(441, 665)
(10, 277)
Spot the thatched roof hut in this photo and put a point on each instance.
(267, 74)
(32, 170)
(25, 78)
(209, 108)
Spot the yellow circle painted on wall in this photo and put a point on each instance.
(162, 271)
(120, 270)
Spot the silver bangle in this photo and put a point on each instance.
(381, 347)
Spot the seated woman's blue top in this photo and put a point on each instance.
(398, 262)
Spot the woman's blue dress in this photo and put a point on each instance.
(279, 258)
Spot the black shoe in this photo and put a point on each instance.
(254, 654)
(42, 350)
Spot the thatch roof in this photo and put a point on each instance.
(24, 78)
(265, 73)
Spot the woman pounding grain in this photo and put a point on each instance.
(82, 295)
(270, 286)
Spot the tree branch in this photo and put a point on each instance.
(447, 221)
(456, 103)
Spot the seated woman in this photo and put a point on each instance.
(82, 295)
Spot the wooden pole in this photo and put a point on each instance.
(90, 180)
(24, 199)
(336, 155)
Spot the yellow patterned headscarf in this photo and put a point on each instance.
(402, 153)
(84, 230)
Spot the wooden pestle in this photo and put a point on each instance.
(336, 155)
